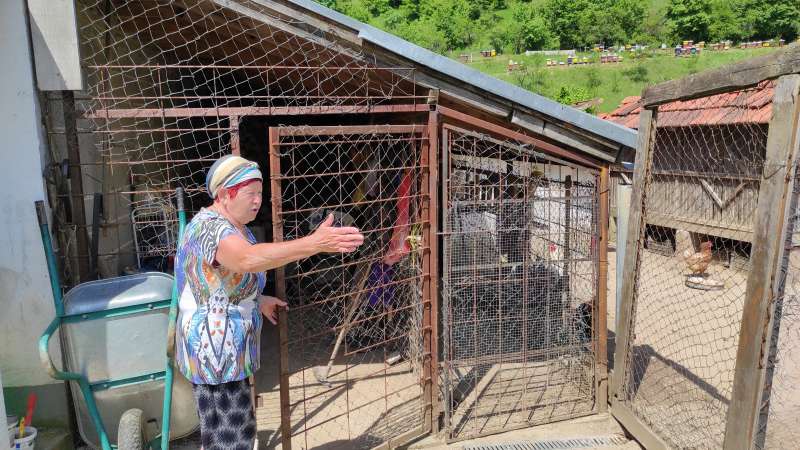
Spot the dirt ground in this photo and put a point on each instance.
(684, 353)
(685, 344)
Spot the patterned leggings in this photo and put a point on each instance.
(227, 421)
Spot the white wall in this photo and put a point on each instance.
(3, 430)
(26, 304)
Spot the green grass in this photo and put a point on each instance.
(615, 80)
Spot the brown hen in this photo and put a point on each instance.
(697, 262)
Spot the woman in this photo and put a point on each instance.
(220, 274)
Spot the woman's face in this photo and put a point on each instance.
(246, 204)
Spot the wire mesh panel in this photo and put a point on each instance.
(519, 288)
(354, 342)
(698, 209)
(153, 232)
(167, 83)
(780, 407)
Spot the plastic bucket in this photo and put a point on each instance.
(12, 422)
(25, 442)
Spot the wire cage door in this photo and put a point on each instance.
(705, 345)
(519, 288)
(355, 342)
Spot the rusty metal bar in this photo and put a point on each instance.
(433, 199)
(361, 203)
(352, 129)
(354, 141)
(280, 291)
(601, 313)
(252, 97)
(426, 287)
(233, 122)
(250, 111)
(510, 134)
(246, 67)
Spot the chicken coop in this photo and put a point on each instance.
(477, 302)
(706, 350)
(733, 128)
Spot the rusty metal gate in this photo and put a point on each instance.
(520, 285)
(354, 345)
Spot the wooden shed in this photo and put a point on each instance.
(706, 138)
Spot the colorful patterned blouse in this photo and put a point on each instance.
(219, 324)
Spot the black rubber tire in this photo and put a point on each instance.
(130, 434)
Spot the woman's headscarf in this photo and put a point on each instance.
(229, 171)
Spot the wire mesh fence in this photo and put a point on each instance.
(167, 84)
(355, 325)
(780, 405)
(519, 286)
(701, 189)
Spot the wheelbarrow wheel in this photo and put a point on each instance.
(130, 435)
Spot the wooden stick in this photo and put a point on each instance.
(362, 275)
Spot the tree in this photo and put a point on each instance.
(528, 30)
(690, 19)
(598, 24)
(764, 19)
(452, 19)
(563, 16)
(726, 23)
(581, 23)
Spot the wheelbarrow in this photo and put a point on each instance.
(115, 334)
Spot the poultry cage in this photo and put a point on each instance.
(353, 333)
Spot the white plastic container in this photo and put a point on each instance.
(13, 424)
(26, 442)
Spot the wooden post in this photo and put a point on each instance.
(636, 224)
(601, 311)
(644, 154)
(280, 288)
(777, 182)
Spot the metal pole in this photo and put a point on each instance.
(44, 341)
(52, 269)
(173, 318)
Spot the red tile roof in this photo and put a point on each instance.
(752, 105)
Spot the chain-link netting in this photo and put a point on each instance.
(167, 85)
(355, 320)
(780, 405)
(519, 286)
(700, 195)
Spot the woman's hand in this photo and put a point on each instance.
(268, 306)
(330, 239)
